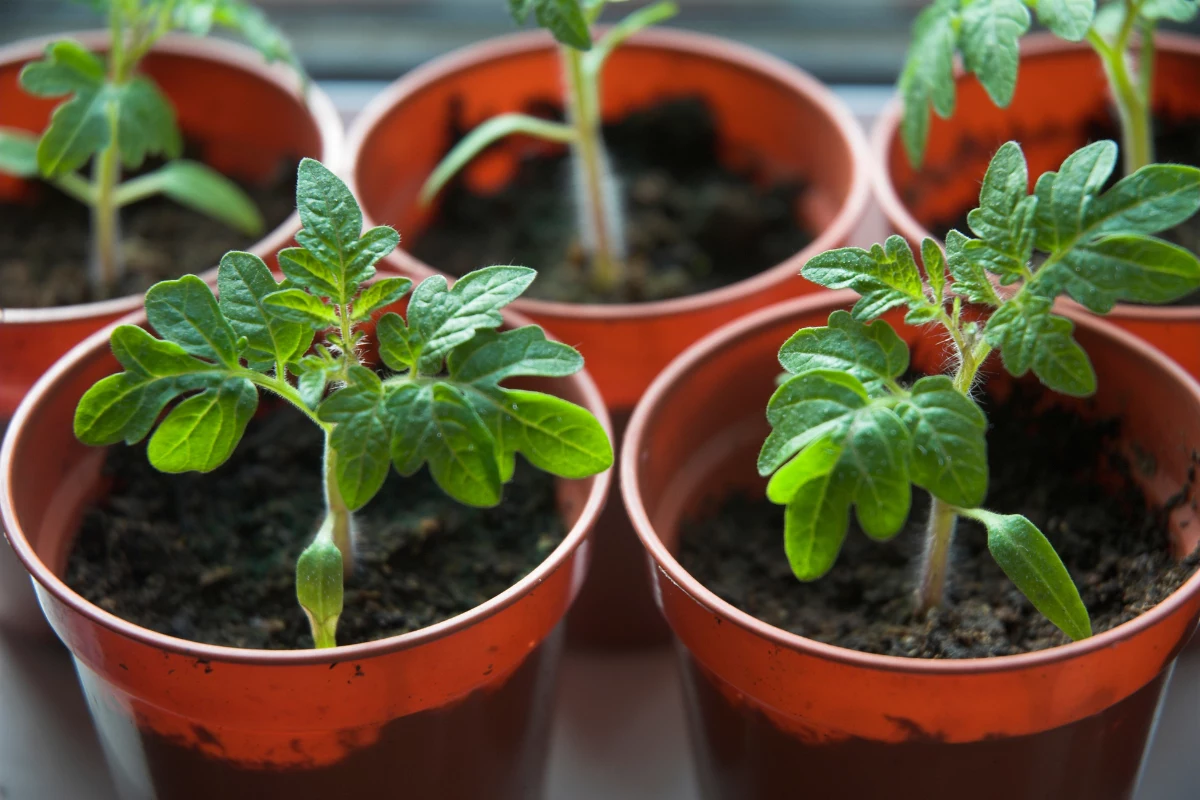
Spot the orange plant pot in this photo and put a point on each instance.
(257, 117)
(767, 111)
(1061, 96)
(774, 714)
(181, 720)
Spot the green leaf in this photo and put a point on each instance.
(1004, 221)
(1068, 19)
(928, 74)
(399, 346)
(360, 436)
(491, 357)
(145, 123)
(125, 406)
(258, 31)
(312, 374)
(554, 435)
(319, 589)
(1030, 562)
(1126, 267)
(565, 19)
(332, 227)
(873, 469)
(1153, 199)
(814, 461)
(67, 67)
(1173, 10)
(379, 295)
(435, 424)
(815, 525)
(304, 269)
(185, 312)
(446, 318)
(949, 441)
(203, 189)
(990, 41)
(873, 352)
(297, 305)
(970, 276)
(18, 153)
(1064, 196)
(935, 269)
(244, 282)
(201, 433)
(1029, 336)
(78, 129)
(886, 277)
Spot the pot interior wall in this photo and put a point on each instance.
(763, 122)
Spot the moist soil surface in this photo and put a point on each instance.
(45, 245)
(212, 558)
(1060, 470)
(692, 224)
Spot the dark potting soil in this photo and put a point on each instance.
(692, 224)
(1060, 470)
(45, 246)
(212, 558)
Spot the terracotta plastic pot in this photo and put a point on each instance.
(1061, 100)
(774, 714)
(767, 111)
(244, 116)
(455, 710)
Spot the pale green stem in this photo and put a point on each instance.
(338, 516)
(107, 266)
(601, 231)
(1129, 93)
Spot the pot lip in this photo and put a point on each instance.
(887, 126)
(749, 326)
(737, 55)
(327, 121)
(48, 581)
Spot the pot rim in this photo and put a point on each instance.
(737, 55)
(887, 126)
(749, 326)
(328, 123)
(88, 349)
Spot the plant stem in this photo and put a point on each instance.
(107, 265)
(943, 519)
(339, 518)
(1131, 95)
(598, 209)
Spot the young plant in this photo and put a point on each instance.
(847, 433)
(598, 207)
(987, 33)
(443, 405)
(115, 117)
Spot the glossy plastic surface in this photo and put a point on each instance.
(767, 704)
(1061, 100)
(181, 720)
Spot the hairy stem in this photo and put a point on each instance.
(338, 516)
(943, 518)
(600, 224)
(1130, 94)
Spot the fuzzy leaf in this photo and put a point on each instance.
(435, 424)
(1030, 562)
(244, 282)
(360, 436)
(145, 122)
(928, 74)
(399, 346)
(872, 352)
(320, 589)
(886, 277)
(1004, 221)
(333, 232)
(1068, 19)
(185, 312)
(297, 305)
(565, 19)
(949, 441)
(990, 40)
(201, 433)
(491, 357)
(934, 261)
(970, 274)
(806, 408)
(1029, 336)
(379, 295)
(815, 524)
